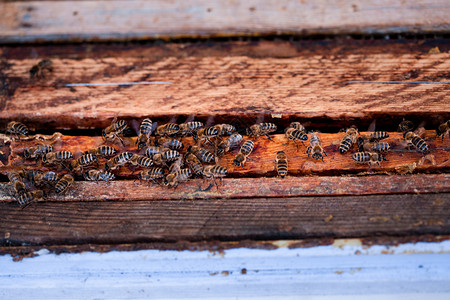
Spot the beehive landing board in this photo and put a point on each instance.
(31, 21)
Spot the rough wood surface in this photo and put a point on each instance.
(25, 21)
(303, 85)
(224, 219)
(261, 161)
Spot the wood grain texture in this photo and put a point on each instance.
(224, 219)
(308, 87)
(25, 21)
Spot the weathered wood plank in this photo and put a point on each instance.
(224, 219)
(308, 87)
(31, 21)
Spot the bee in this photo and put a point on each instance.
(368, 157)
(173, 179)
(244, 152)
(298, 126)
(83, 161)
(167, 129)
(31, 174)
(189, 128)
(152, 150)
(37, 151)
(64, 183)
(348, 139)
(176, 165)
(295, 134)
(98, 175)
(444, 129)
(16, 182)
(224, 129)
(206, 134)
(145, 130)
(57, 157)
(37, 71)
(104, 151)
(213, 172)
(373, 146)
(27, 198)
(152, 174)
(261, 129)
(118, 160)
(113, 131)
(229, 143)
(161, 159)
(405, 126)
(315, 148)
(281, 164)
(416, 142)
(194, 164)
(374, 136)
(202, 154)
(17, 129)
(141, 161)
(173, 144)
(45, 178)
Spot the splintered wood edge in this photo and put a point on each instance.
(251, 187)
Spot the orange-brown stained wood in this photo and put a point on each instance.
(302, 85)
(70, 223)
(261, 162)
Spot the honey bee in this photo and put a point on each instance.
(315, 148)
(152, 174)
(115, 130)
(298, 126)
(167, 129)
(170, 143)
(374, 136)
(215, 171)
(27, 198)
(16, 181)
(38, 70)
(37, 151)
(145, 130)
(118, 160)
(405, 126)
(229, 143)
(415, 141)
(206, 134)
(281, 164)
(161, 159)
(45, 178)
(295, 134)
(103, 151)
(173, 179)
(373, 146)
(348, 139)
(17, 129)
(83, 161)
(202, 154)
(368, 157)
(176, 165)
(98, 175)
(244, 152)
(444, 129)
(141, 161)
(64, 183)
(189, 128)
(261, 129)
(152, 150)
(225, 129)
(57, 157)
(194, 164)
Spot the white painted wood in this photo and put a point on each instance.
(346, 269)
(102, 20)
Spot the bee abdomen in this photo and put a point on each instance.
(282, 164)
(175, 144)
(63, 155)
(146, 127)
(17, 128)
(247, 147)
(299, 135)
(345, 145)
(87, 159)
(268, 127)
(64, 183)
(183, 174)
(379, 135)
(218, 171)
(361, 156)
(144, 162)
(124, 157)
(106, 151)
(170, 155)
(381, 147)
(50, 176)
(211, 131)
(420, 144)
(152, 150)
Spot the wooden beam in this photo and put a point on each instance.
(36, 21)
(224, 219)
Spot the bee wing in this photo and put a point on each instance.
(190, 118)
(209, 122)
(420, 131)
(135, 125)
(372, 126)
(260, 118)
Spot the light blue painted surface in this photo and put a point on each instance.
(153, 274)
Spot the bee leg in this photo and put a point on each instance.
(268, 136)
(324, 152)
(296, 144)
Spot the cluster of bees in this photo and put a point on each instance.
(163, 163)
